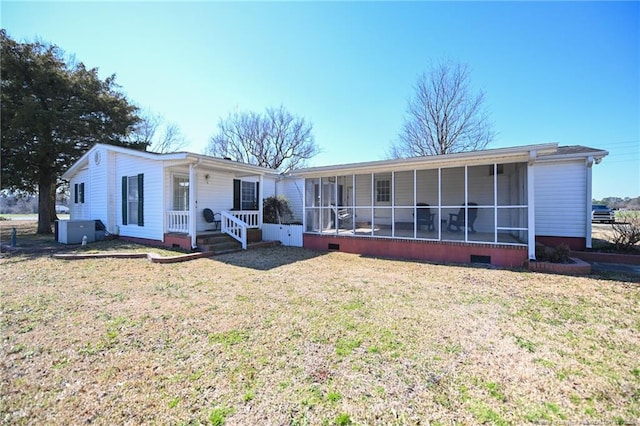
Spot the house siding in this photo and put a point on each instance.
(560, 197)
(293, 190)
(127, 165)
(97, 193)
(81, 211)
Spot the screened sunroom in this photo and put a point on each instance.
(481, 203)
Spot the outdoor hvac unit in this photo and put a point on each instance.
(72, 231)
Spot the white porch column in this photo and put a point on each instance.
(531, 206)
(589, 203)
(192, 204)
(260, 201)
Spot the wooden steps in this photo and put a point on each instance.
(220, 243)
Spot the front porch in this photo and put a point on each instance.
(235, 228)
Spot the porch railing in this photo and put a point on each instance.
(235, 227)
(178, 221)
(249, 217)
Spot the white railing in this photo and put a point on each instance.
(178, 221)
(235, 227)
(250, 217)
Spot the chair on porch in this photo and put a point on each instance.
(213, 218)
(425, 217)
(459, 221)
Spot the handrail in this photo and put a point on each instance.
(234, 227)
(249, 217)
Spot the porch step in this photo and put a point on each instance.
(220, 243)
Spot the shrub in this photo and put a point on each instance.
(559, 254)
(276, 210)
(627, 234)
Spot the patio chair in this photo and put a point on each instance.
(425, 217)
(213, 218)
(345, 218)
(459, 221)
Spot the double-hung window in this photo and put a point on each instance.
(78, 193)
(133, 200)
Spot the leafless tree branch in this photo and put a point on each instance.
(274, 139)
(443, 116)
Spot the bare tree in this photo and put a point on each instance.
(170, 140)
(443, 116)
(274, 139)
(159, 135)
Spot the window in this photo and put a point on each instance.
(78, 193)
(383, 190)
(180, 193)
(248, 197)
(133, 200)
(245, 195)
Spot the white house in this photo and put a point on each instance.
(161, 198)
(485, 206)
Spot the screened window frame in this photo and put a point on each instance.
(323, 221)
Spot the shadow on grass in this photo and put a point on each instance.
(266, 258)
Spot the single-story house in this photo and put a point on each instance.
(162, 198)
(485, 206)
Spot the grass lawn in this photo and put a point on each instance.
(289, 336)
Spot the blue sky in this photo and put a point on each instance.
(565, 72)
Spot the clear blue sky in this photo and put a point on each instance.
(551, 71)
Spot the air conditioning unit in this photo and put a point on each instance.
(72, 231)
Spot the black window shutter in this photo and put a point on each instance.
(124, 200)
(75, 193)
(257, 195)
(141, 199)
(236, 194)
(82, 192)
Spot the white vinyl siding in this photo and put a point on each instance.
(293, 190)
(127, 165)
(560, 198)
(96, 188)
(79, 210)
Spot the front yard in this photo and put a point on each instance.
(289, 336)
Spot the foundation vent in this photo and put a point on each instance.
(476, 258)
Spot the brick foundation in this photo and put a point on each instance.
(578, 267)
(574, 243)
(177, 240)
(434, 251)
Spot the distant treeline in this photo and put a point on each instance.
(618, 203)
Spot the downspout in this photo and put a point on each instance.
(260, 200)
(589, 203)
(192, 203)
(531, 209)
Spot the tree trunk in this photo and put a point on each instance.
(53, 201)
(44, 204)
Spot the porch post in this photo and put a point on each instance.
(589, 163)
(260, 201)
(192, 204)
(531, 206)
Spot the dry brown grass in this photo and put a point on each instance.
(289, 336)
